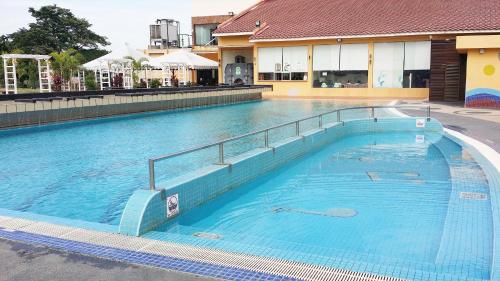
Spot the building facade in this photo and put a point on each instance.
(366, 49)
(205, 44)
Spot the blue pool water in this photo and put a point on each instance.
(383, 203)
(87, 170)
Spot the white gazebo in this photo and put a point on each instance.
(9, 66)
(116, 62)
(182, 61)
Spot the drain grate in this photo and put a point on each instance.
(473, 196)
(206, 235)
(335, 212)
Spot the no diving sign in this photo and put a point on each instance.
(172, 205)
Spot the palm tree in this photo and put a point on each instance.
(64, 64)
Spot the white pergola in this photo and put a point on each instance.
(9, 66)
(109, 65)
(182, 61)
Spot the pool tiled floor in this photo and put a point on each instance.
(202, 261)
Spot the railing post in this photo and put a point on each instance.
(320, 121)
(266, 138)
(151, 175)
(429, 113)
(373, 112)
(221, 153)
(297, 128)
(338, 116)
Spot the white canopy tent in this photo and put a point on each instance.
(182, 61)
(10, 75)
(115, 62)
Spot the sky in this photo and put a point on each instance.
(121, 20)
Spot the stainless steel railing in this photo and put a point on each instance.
(220, 144)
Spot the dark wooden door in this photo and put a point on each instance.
(447, 81)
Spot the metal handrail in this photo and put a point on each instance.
(220, 144)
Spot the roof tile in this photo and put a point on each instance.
(288, 19)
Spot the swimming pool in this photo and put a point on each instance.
(86, 170)
(396, 204)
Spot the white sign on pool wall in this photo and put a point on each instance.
(420, 139)
(420, 123)
(172, 205)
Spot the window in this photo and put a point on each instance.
(340, 66)
(203, 34)
(401, 65)
(283, 63)
(417, 64)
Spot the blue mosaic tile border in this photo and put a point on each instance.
(165, 262)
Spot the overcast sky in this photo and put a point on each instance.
(121, 20)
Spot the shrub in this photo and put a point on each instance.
(90, 83)
(155, 83)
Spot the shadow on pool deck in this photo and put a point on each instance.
(27, 262)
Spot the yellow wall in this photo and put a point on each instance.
(478, 41)
(234, 41)
(483, 78)
(483, 70)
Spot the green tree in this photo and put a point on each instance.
(55, 29)
(66, 63)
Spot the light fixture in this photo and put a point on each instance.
(482, 51)
(339, 40)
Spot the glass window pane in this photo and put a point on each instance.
(203, 34)
(295, 59)
(270, 59)
(416, 78)
(388, 65)
(418, 55)
(326, 57)
(354, 57)
(340, 79)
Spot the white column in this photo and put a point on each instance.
(49, 78)
(83, 80)
(14, 75)
(40, 75)
(100, 77)
(5, 75)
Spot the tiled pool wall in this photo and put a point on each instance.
(147, 209)
(30, 114)
(493, 178)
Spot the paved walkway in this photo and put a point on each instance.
(20, 261)
(480, 124)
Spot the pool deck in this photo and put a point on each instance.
(22, 261)
(480, 124)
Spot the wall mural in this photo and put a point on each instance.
(488, 96)
(483, 97)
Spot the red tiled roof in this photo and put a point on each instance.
(292, 19)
